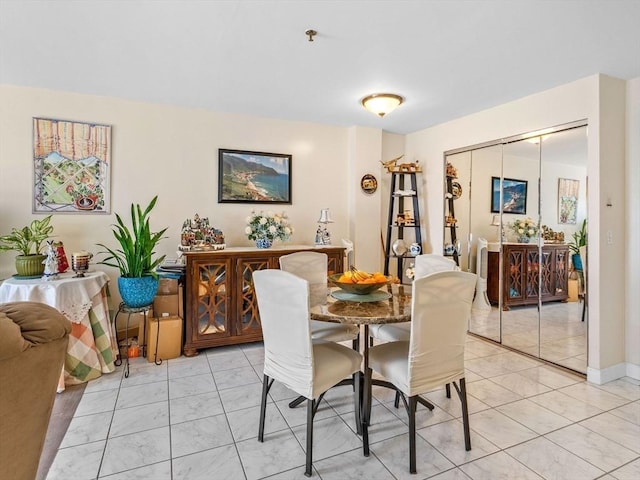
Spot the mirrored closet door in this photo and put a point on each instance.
(518, 203)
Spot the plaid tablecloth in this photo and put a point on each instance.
(85, 302)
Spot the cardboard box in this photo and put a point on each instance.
(168, 333)
(164, 305)
(573, 291)
(136, 324)
(167, 286)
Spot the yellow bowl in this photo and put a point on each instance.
(357, 288)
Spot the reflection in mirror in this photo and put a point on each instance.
(563, 206)
(475, 232)
(530, 294)
(520, 254)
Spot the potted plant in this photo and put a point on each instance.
(138, 281)
(579, 240)
(28, 241)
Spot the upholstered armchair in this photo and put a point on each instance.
(33, 343)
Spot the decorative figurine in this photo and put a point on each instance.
(50, 263)
(61, 256)
(197, 234)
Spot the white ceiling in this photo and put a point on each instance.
(448, 58)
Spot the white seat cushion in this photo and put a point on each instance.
(333, 332)
(390, 361)
(391, 332)
(332, 363)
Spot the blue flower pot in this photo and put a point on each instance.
(138, 292)
(577, 261)
(264, 243)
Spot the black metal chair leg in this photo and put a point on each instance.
(366, 412)
(413, 402)
(296, 402)
(263, 407)
(465, 414)
(310, 410)
(396, 402)
(357, 401)
(447, 389)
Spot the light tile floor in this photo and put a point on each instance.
(193, 418)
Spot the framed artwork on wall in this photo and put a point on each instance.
(514, 195)
(72, 165)
(253, 177)
(567, 200)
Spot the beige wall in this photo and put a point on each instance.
(600, 100)
(173, 152)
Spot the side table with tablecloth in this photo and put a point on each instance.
(85, 302)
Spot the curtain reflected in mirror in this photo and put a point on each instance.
(522, 201)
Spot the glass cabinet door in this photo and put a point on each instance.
(248, 321)
(212, 299)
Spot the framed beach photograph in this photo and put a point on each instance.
(71, 166)
(514, 195)
(567, 200)
(253, 177)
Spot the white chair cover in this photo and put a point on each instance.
(348, 252)
(481, 301)
(312, 266)
(290, 357)
(425, 264)
(429, 263)
(434, 354)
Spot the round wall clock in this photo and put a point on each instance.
(368, 183)
(456, 190)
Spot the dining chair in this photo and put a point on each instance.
(308, 367)
(433, 355)
(481, 300)
(312, 266)
(348, 253)
(425, 264)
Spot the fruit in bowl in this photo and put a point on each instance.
(359, 282)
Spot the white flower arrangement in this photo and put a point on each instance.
(524, 227)
(270, 225)
(410, 271)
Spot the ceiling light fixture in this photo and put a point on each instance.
(382, 103)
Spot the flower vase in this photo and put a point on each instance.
(523, 239)
(264, 243)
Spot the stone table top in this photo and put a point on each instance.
(396, 309)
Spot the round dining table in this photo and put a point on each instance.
(366, 309)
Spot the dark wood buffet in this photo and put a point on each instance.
(221, 307)
(527, 272)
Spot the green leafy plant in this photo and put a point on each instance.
(579, 238)
(28, 240)
(135, 257)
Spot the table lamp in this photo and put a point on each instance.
(323, 237)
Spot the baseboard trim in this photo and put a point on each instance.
(614, 372)
(633, 371)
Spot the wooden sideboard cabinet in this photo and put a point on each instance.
(527, 272)
(221, 307)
